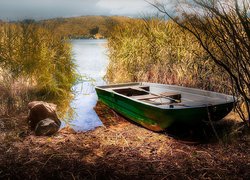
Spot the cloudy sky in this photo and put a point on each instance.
(43, 9)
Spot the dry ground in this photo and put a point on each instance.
(121, 150)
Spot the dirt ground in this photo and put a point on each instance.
(123, 150)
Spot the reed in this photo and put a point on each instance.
(36, 64)
(156, 50)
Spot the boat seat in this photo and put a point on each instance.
(172, 95)
(145, 97)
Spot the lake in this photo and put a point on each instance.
(92, 60)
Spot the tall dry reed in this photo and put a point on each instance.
(156, 50)
(36, 64)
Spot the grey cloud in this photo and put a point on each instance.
(126, 7)
(43, 9)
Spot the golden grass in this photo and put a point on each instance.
(36, 64)
(159, 51)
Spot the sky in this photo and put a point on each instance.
(44, 9)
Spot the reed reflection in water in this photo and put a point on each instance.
(92, 61)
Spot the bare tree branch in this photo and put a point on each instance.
(223, 30)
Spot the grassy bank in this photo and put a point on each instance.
(36, 64)
(155, 50)
(85, 26)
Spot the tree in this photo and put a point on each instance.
(94, 31)
(222, 28)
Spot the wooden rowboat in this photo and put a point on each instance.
(158, 106)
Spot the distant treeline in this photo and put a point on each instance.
(85, 26)
(80, 27)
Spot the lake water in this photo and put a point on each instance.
(92, 60)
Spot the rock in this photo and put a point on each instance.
(39, 111)
(46, 127)
(34, 103)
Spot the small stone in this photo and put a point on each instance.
(46, 127)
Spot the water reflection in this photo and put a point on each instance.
(91, 58)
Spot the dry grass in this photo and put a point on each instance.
(35, 64)
(119, 150)
(160, 51)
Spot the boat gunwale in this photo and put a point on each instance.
(105, 88)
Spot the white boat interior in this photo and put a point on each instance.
(169, 96)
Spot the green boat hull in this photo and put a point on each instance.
(158, 119)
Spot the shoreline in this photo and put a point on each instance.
(120, 149)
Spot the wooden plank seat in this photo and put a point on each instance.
(145, 97)
(171, 95)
